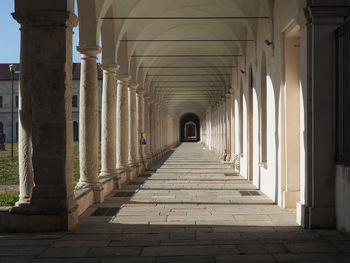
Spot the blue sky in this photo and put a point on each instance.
(10, 35)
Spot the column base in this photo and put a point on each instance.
(96, 187)
(29, 219)
(23, 202)
(107, 174)
(122, 176)
(132, 171)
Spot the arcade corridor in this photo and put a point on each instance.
(185, 208)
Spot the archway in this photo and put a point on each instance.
(189, 128)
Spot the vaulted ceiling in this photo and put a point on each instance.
(183, 52)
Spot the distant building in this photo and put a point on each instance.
(5, 100)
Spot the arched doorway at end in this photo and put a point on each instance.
(190, 128)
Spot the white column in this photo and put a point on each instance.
(228, 126)
(88, 119)
(108, 122)
(232, 122)
(122, 121)
(133, 125)
(24, 140)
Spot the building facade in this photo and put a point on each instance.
(5, 101)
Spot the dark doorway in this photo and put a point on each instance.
(190, 128)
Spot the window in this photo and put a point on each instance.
(1, 102)
(16, 101)
(75, 101)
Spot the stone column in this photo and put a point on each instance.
(224, 129)
(220, 133)
(147, 127)
(152, 128)
(88, 119)
(133, 125)
(232, 117)
(45, 122)
(141, 113)
(157, 125)
(122, 122)
(108, 114)
(228, 126)
(24, 137)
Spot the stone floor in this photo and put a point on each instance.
(187, 208)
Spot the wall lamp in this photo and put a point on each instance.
(242, 71)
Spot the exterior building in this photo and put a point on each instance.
(5, 101)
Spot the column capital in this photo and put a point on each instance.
(124, 78)
(141, 92)
(232, 91)
(46, 18)
(89, 51)
(228, 95)
(133, 86)
(110, 68)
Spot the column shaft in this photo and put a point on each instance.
(122, 121)
(228, 126)
(108, 122)
(88, 118)
(141, 119)
(147, 124)
(133, 125)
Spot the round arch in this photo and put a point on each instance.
(185, 121)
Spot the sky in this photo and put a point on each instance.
(10, 35)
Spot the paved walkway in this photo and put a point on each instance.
(190, 209)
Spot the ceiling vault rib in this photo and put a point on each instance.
(187, 67)
(179, 56)
(161, 87)
(188, 75)
(190, 81)
(186, 17)
(186, 40)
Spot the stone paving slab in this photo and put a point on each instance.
(177, 216)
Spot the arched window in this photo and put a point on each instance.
(75, 131)
(263, 112)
